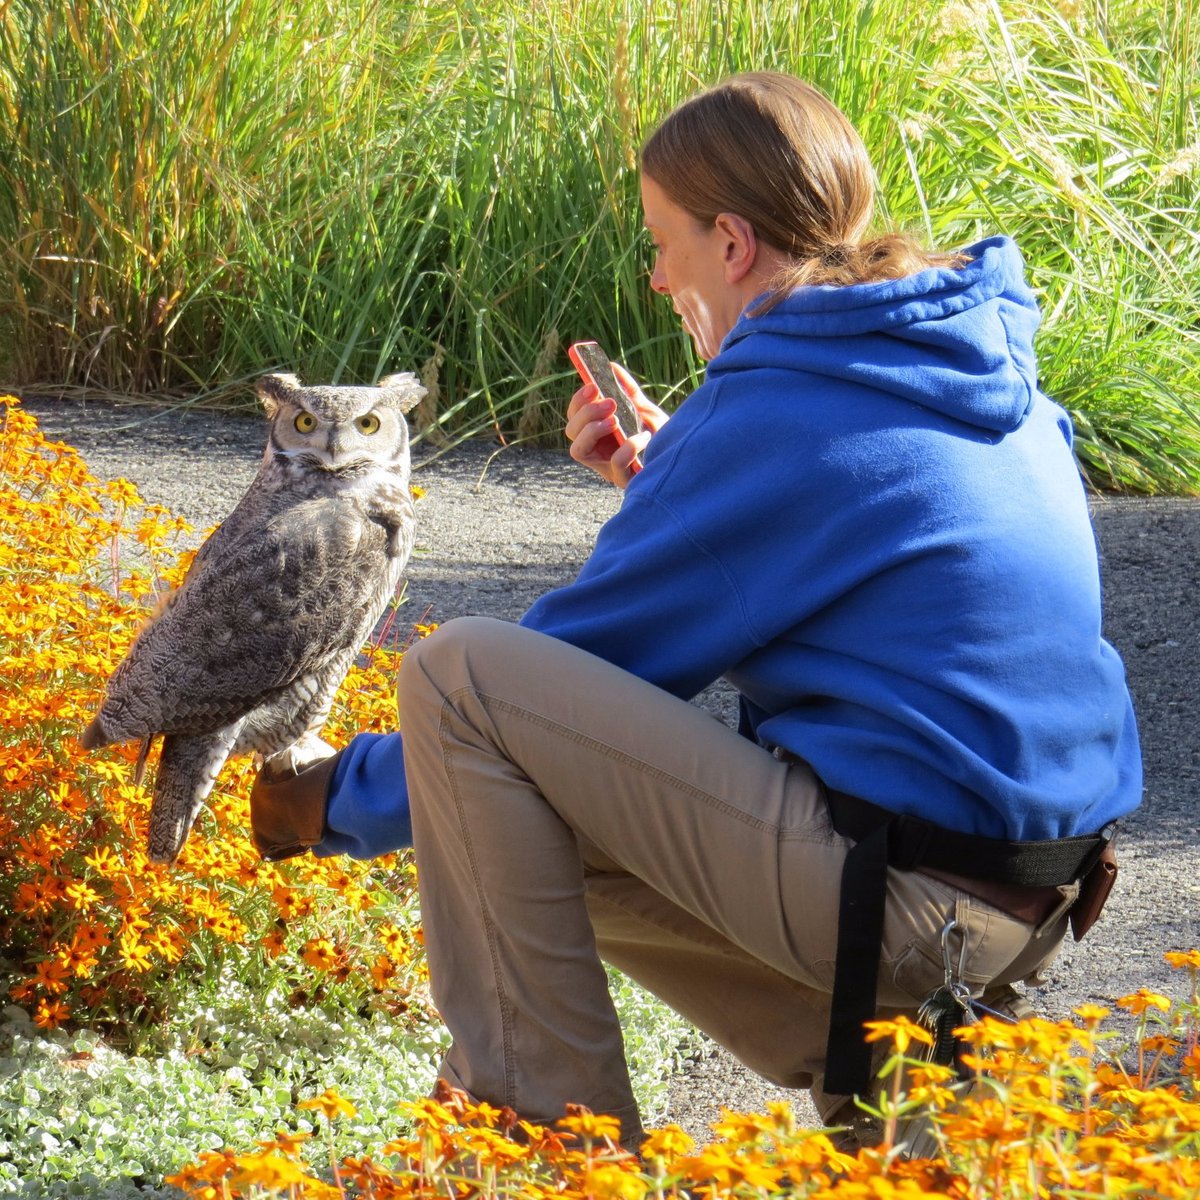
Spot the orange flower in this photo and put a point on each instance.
(1183, 958)
(275, 942)
(50, 978)
(330, 1103)
(1158, 1044)
(267, 1170)
(395, 941)
(608, 1181)
(134, 921)
(122, 492)
(1090, 1014)
(225, 925)
(743, 1127)
(38, 895)
(902, 1032)
(726, 1169)
(49, 1014)
(69, 800)
(383, 971)
(589, 1126)
(1143, 1000)
(76, 958)
(135, 954)
(286, 1142)
(168, 944)
(668, 1142)
(319, 953)
(291, 904)
(92, 936)
(82, 895)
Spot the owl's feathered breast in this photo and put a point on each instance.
(264, 603)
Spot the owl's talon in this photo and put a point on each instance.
(294, 759)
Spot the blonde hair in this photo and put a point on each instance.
(774, 150)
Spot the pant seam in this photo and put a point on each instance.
(594, 744)
(489, 926)
(637, 916)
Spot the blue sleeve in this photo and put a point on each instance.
(368, 800)
(654, 598)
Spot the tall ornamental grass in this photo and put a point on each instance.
(195, 191)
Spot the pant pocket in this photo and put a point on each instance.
(910, 978)
(999, 949)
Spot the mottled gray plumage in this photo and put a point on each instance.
(248, 653)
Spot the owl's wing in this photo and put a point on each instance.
(258, 610)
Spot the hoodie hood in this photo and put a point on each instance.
(958, 342)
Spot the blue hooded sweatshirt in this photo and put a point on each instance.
(868, 520)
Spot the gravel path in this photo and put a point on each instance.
(497, 528)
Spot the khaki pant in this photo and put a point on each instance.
(565, 811)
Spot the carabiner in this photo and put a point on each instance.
(954, 976)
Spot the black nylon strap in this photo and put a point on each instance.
(916, 842)
(856, 970)
(884, 839)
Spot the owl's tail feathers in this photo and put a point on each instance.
(93, 737)
(187, 769)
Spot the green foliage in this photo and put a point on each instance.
(195, 191)
(78, 1118)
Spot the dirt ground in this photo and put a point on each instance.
(498, 527)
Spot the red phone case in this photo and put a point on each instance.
(594, 366)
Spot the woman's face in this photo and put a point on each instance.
(691, 266)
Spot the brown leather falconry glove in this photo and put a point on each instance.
(287, 808)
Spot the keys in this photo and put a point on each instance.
(941, 1014)
(950, 1005)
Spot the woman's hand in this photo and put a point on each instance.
(591, 422)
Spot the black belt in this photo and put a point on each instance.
(887, 839)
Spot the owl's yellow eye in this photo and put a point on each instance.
(368, 423)
(305, 422)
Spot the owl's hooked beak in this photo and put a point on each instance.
(340, 455)
(337, 457)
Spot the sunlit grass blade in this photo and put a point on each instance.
(346, 189)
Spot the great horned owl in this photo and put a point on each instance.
(248, 652)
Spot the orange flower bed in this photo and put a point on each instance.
(1049, 1113)
(94, 933)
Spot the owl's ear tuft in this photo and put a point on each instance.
(274, 389)
(405, 389)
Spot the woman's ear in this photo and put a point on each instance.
(739, 243)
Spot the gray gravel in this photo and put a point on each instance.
(497, 527)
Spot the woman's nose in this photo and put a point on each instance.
(658, 279)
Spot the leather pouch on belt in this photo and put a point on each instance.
(1093, 892)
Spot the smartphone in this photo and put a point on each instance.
(594, 366)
